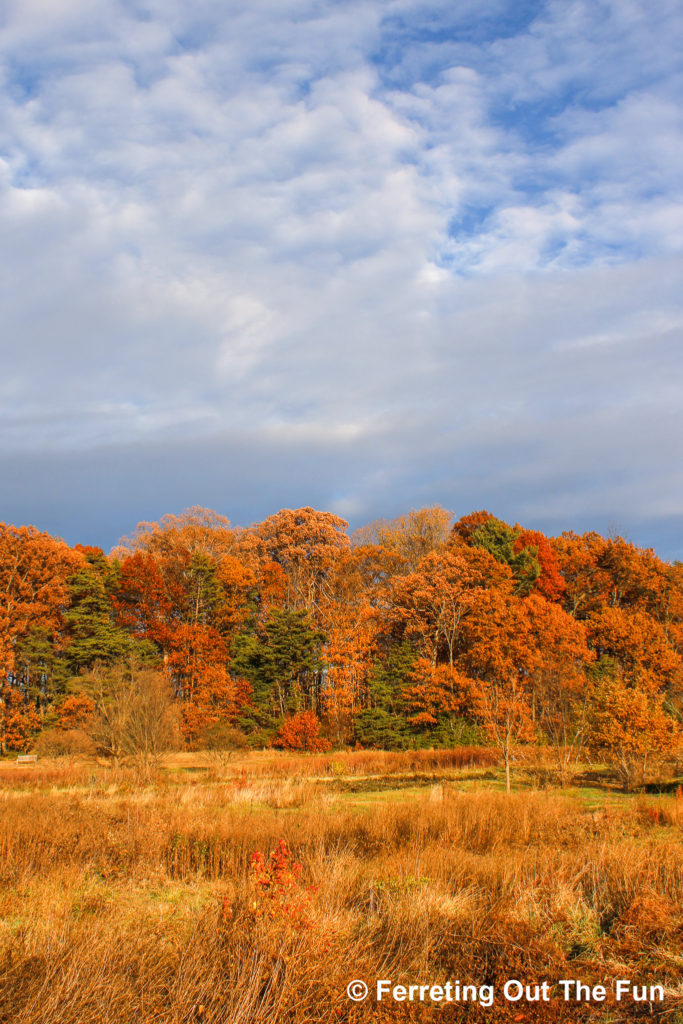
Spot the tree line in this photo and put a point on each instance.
(413, 632)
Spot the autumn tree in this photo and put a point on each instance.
(431, 609)
(350, 620)
(182, 588)
(34, 569)
(197, 530)
(638, 646)
(409, 537)
(431, 604)
(464, 528)
(500, 660)
(432, 692)
(630, 728)
(306, 544)
(559, 681)
(19, 720)
(301, 732)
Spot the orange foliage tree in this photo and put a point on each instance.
(408, 636)
(183, 589)
(630, 728)
(500, 660)
(558, 684)
(34, 595)
(306, 544)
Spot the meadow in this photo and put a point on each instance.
(252, 889)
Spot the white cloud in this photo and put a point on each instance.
(440, 256)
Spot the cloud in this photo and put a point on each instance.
(364, 255)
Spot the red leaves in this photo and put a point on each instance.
(550, 583)
(301, 732)
(276, 888)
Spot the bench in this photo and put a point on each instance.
(27, 758)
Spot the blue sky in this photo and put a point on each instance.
(363, 255)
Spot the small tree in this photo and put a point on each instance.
(629, 728)
(501, 660)
(502, 706)
(134, 714)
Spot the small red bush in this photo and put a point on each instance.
(276, 887)
(301, 732)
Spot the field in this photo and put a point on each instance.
(255, 888)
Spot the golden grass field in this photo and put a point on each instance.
(127, 896)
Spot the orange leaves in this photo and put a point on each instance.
(435, 690)
(501, 659)
(144, 602)
(306, 544)
(410, 537)
(432, 603)
(466, 525)
(550, 583)
(198, 661)
(638, 645)
(629, 726)
(184, 589)
(561, 643)
(197, 530)
(76, 711)
(301, 732)
(34, 569)
(19, 719)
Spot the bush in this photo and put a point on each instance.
(222, 737)
(64, 743)
(301, 732)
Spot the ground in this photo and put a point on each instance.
(255, 888)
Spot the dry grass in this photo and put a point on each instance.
(127, 898)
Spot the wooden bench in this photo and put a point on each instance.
(27, 758)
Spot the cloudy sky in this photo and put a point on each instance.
(366, 255)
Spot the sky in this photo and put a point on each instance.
(364, 255)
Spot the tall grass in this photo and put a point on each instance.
(125, 903)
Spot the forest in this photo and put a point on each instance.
(411, 633)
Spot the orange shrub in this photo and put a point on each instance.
(301, 732)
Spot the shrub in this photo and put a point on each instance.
(276, 887)
(64, 743)
(301, 732)
(222, 737)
